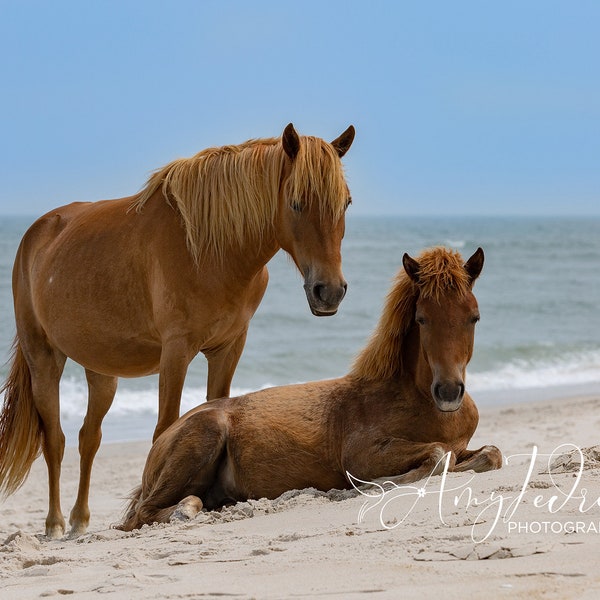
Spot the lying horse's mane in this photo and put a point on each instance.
(440, 270)
(230, 194)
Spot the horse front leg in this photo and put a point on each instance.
(221, 367)
(101, 393)
(398, 461)
(174, 361)
(430, 459)
(487, 458)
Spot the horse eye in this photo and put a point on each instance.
(475, 319)
(348, 203)
(296, 206)
(420, 320)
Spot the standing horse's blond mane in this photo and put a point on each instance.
(230, 194)
(440, 271)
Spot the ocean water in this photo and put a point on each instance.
(539, 296)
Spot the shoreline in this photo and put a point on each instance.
(307, 544)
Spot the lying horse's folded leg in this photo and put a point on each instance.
(181, 467)
(486, 458)
(146, 513)
(187, 509)
(432, 458)
(404, 460)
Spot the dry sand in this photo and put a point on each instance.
(544, 544)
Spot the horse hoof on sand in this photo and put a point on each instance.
(187, 509)
(76, 532)
(55, 533)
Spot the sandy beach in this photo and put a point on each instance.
(519, 532)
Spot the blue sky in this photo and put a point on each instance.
(461, 108)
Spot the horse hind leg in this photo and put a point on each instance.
(46, 365)
(101, 393)
(182, 465)
(184, 510)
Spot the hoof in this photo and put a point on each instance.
(76, 531)
(494, 456)
(55, 532)
(187, 509)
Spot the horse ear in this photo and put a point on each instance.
(342, 144)
(411, 266)
(474, 265)
(290, 141)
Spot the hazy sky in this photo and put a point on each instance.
(460, 107)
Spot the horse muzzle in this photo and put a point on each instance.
(324, 298)
(448, 395)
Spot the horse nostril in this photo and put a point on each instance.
(449, 392)
(318, 290)
(327, 294)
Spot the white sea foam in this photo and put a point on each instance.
(458, 244)
(128, 402)
(573, 369)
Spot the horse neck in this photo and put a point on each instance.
(253, 253)
(253, 257)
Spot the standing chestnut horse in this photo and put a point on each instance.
(401, 408)
(143, 284)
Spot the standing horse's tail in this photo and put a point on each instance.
(20, 425)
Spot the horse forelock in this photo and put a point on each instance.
(229, 194)
(317, 176)
(441, 271)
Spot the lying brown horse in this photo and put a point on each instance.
(402, 407)
(141, 285)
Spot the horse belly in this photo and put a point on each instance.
(98, 331)
(268, 471)
(273, 481)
